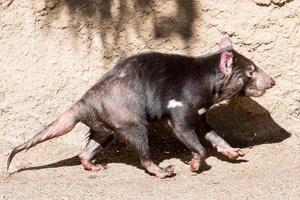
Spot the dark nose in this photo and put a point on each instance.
(272, 82)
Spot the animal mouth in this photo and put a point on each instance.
(260, 93)
(253, 92)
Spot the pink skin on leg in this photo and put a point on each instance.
(231, 153)
(88, 165)
(157, 171)
(222, 146)
(88, 153)
(195, 164)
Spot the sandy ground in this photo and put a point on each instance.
(52, 171)
(52, 51)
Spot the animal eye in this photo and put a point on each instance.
(250, 73)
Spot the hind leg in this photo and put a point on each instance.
(136, 136)
(92, 148)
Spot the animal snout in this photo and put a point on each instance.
(273, 83)
(270, 83)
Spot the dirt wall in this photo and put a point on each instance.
(52, 51)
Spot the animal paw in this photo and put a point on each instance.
(195, 164)
(89, 166)
(96, 167)
(165, 172)
(231, 153)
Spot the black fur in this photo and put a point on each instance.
(140, 90)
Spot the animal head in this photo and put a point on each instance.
(237, 69)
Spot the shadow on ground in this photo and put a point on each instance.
(242, 122)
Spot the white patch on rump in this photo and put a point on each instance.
(173, 104)
(201, 111)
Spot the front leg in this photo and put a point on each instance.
(222, 146)
(182, 124)
(218, 142)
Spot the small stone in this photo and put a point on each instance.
(263, 2)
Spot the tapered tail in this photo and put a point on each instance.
(62, 125)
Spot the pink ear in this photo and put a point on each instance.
(225, 42)
(226, 62)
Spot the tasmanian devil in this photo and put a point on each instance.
(154, 86)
